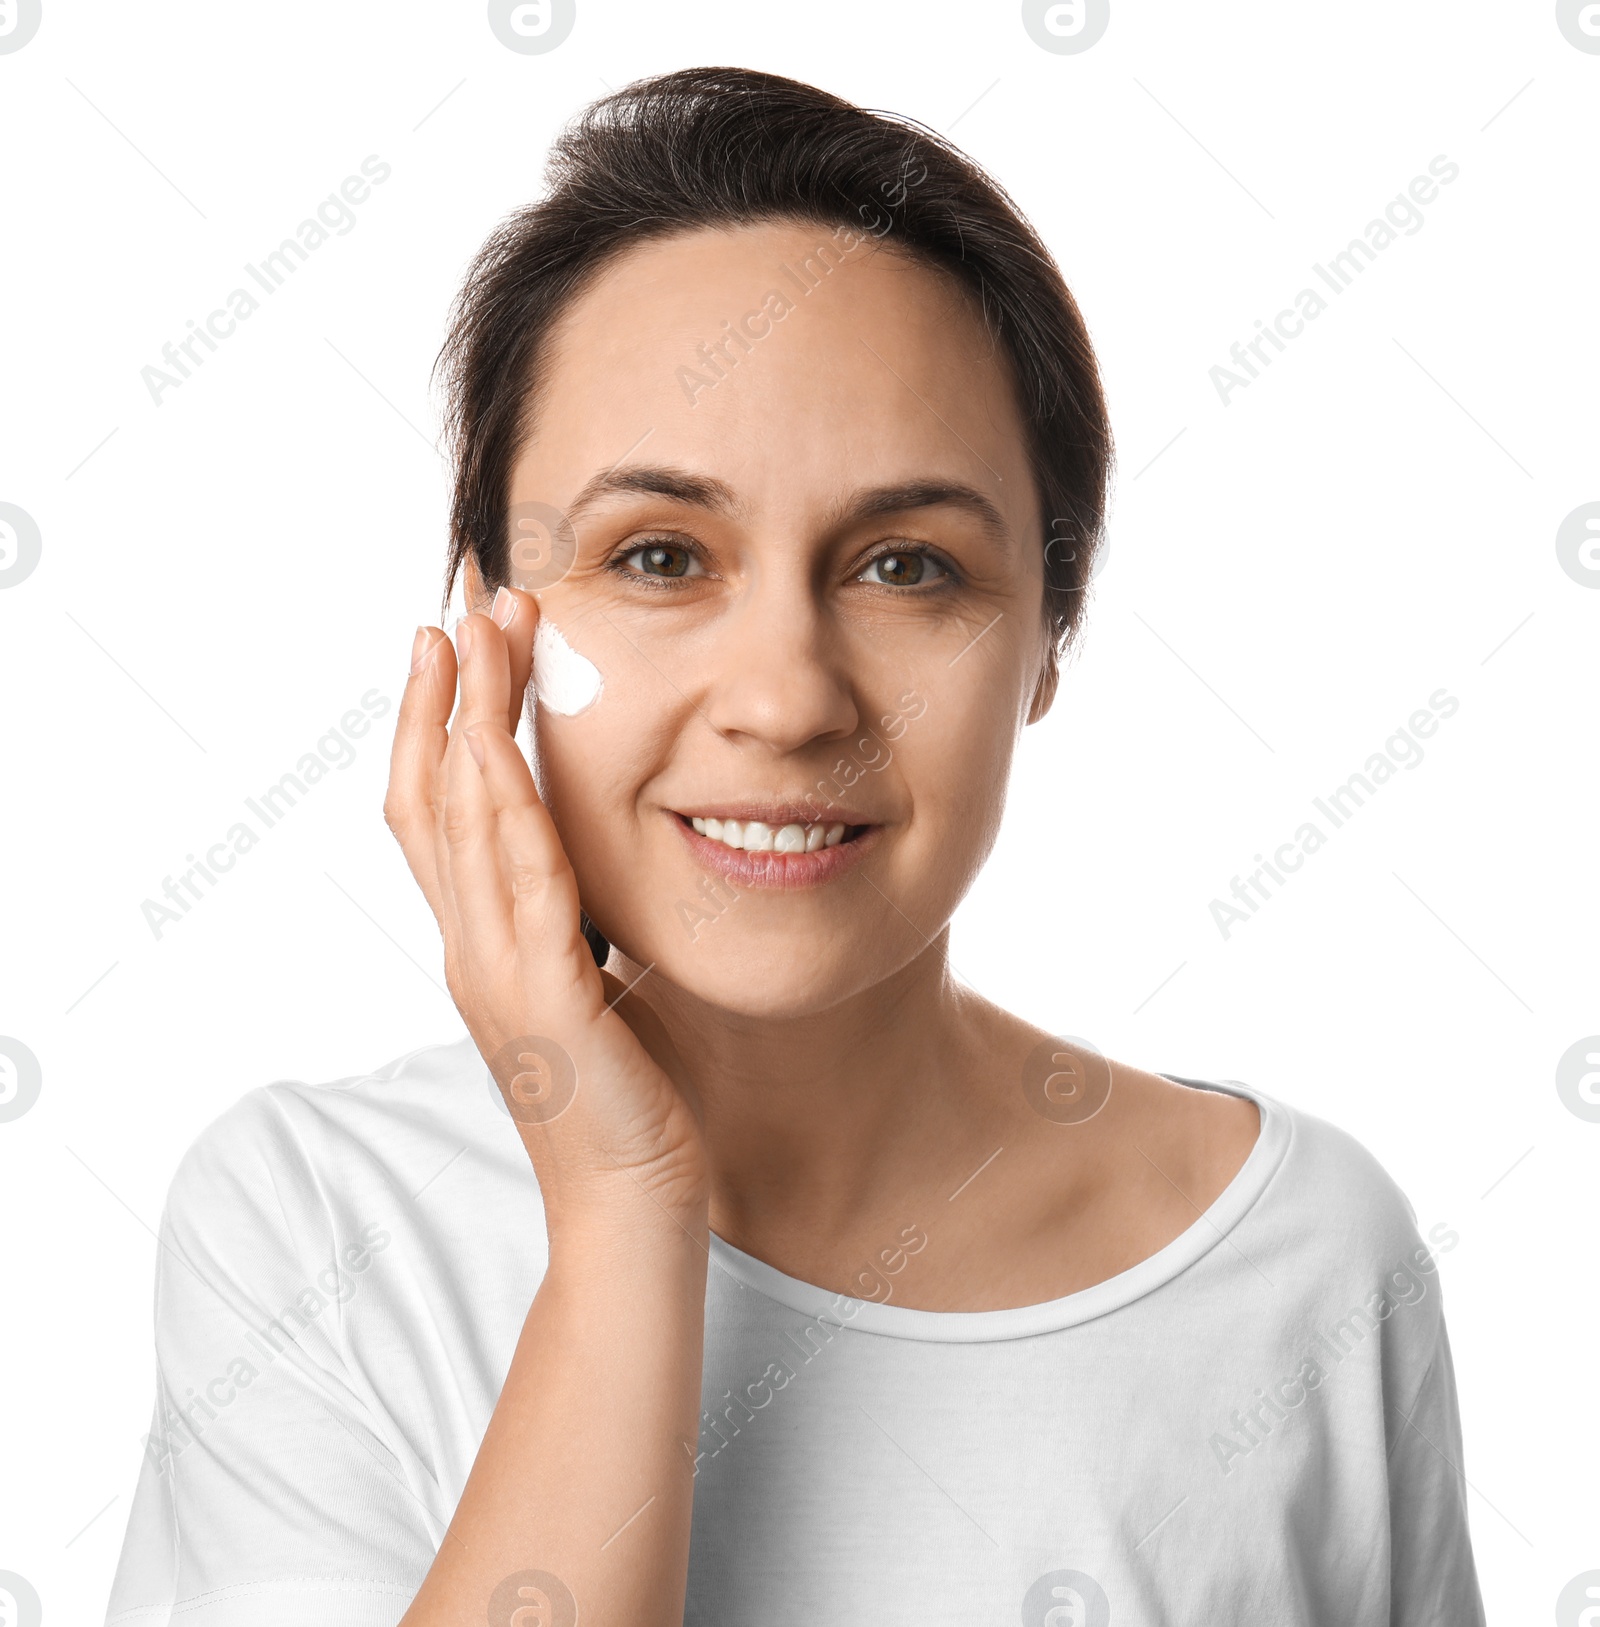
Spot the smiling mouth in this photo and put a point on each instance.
(757, 836)
(776, 852)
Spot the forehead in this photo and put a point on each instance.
(788, 359)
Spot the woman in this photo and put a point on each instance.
(781, 462)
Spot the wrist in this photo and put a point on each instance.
(614, 1229)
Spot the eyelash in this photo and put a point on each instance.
(948, 578)
(618, 563)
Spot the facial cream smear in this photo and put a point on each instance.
(564, 681)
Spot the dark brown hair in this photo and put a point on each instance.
(718, 147)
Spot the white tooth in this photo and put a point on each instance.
(699, 825)
(814, 835)
(791, 839)
(733, 833)
(834, 837)
(714, 829)
(757, 837)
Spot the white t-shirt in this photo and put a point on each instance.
(1256, 1425)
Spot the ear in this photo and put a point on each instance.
(1044, 693)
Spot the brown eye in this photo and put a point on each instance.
(663, 559)
(907, 570)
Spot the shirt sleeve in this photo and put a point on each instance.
(268, 1491)
(1433, 1581)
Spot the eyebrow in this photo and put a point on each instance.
(869, 502)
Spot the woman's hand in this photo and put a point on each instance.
(588, 1075)
(587, 1072)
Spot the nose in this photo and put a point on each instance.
(780, 680)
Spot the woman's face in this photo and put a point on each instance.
(808, 571)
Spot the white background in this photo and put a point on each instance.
(1290, 576)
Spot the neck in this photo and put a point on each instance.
(820, 1122)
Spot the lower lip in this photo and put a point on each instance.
(778, 870)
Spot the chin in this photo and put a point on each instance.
(765, 976)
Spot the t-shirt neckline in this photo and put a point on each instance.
(1206, 1232)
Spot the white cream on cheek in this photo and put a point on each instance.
(564, 681)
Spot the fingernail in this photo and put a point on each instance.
(474, 745)
(463, 631)
(419, 649)
(503, 608)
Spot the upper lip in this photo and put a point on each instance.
(777, 813)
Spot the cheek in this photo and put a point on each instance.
(956, 759)
(584, 770)
(606, 723)
(591, 769)
(566, 682)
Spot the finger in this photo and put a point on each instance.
(542, 890)
(516, 614)
(480, 941)
(482, 677)
(484, 672)
(420, 738)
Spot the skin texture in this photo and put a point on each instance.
(795, 1068)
